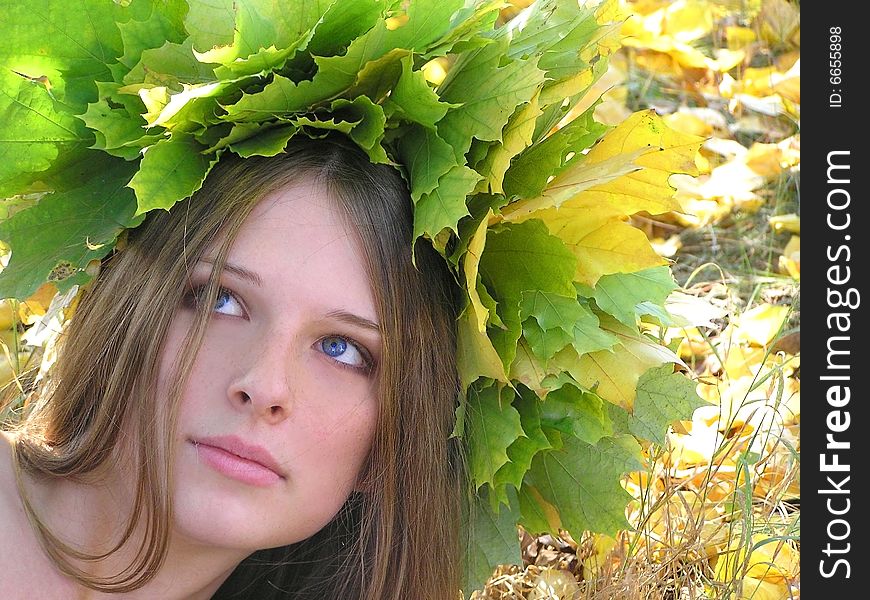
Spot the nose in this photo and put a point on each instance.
(264, 386)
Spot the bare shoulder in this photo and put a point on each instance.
(24, 566)
(10, 503)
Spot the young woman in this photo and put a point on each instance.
(253, 400)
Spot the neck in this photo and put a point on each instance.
(86, 515)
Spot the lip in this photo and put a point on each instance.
(239, 460)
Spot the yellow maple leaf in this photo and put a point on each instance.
(571, 182)
(470, 266)
(614, 373)
(790, 222)
(769, 559)
(686, 122)
(475, 354)
(740, 359)
(609, 15)
(739, 37)
(788, 85)
(697, 447)
(602, 241)
(30, 310)
(517, 135)
(757, 81)
(628, 170)
(648, 188)
(529, 371)
(757, 325)
(8, 316)
(765, 159)
(664, 38)
(790, 261)
(609, 92)
(687, 20)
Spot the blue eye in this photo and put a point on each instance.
(344, 351)
(226, 302)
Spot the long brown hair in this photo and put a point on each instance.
(396, 539)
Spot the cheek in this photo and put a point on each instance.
(343, 431)
(170, 352)
(335, 427)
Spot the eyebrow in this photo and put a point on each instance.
(240, 272)
(348, 317)
(340, 315)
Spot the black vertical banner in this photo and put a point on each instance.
(834, 427)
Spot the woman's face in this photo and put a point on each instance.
(278, 415)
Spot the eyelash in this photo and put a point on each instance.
(369, 364)
(192, 298)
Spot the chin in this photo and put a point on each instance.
(235, 518)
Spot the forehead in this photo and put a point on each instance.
(300, 243)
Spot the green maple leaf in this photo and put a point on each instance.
(55, 239)
(426, 157)
(492, 540)
(662, 397)
(530, 170)
(445, 205)
(248, 36)
(171, 170)
(524, 448)
(210, 23)
(582, 481)
(517, 258)
(613, 374)
(493, 425)
(561, 319)
(164, 22)
(524, 257)
(465, 27)
(620, 294)
(270, 142)
(33, 133)
(544, 343)
(427, 21)
(414, 99)
(218, 138)
(582, 414)
(537, 515)
(505, 339)
(170, 65)
(116, 132)
(561, 57)
(276, 99)
(369, 129)
(341, 22)
(488, 95)
(71, 48)
(489, 304)
(49, 62)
